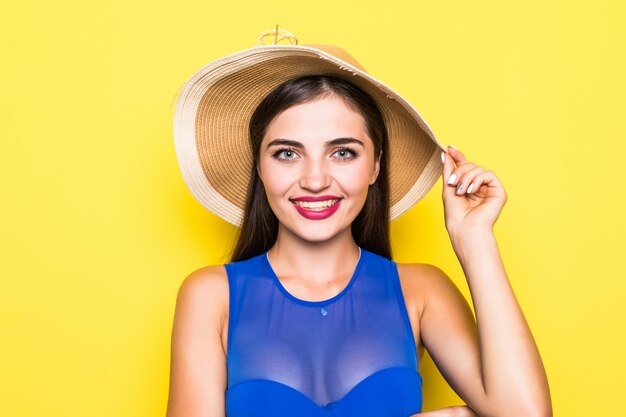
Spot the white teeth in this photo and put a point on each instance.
(316, 205)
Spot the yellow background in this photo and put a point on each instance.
(97, 228)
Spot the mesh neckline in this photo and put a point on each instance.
(314, 303)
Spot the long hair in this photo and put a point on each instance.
(370, 229)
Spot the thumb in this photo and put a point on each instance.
(448, 166)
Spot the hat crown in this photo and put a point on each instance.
(281, 35)
(338, 53)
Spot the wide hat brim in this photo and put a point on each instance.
(215, 106)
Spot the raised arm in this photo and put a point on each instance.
(493, 362)
(198, 361)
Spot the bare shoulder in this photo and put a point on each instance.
(422, 282)
(203, 297)
(208, 282)
(422, 275)
(198, 360)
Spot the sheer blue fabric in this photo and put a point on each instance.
(350, 355)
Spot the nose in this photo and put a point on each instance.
(315, 176)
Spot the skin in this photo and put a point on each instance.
(494, 366)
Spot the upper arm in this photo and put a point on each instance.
(448, 330)
(198, 360)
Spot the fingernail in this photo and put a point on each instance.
(443, 158)
(470, 188)
(453, 147)
(459, 187)
(451, 179)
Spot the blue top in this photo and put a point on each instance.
(351, 355)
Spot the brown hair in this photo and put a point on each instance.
(370, 228)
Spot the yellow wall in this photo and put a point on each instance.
(97, 228)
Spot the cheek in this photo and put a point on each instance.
(275, 180)
(355, 180)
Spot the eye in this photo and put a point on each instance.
(286, 154)
(345, 154)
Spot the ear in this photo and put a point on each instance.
(376, 168)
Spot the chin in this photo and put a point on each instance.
(317, 231)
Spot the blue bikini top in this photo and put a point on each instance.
(351, 355)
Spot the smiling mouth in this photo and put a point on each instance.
(316, 205)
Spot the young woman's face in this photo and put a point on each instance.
(317, 151)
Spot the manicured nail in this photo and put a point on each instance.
(443, 157)
(451, 179)
(459, 187)
(470, 188)
(453, 147)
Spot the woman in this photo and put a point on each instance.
(312, 317)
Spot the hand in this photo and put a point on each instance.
(478, 208)
(456, 411)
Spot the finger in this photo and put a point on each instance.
(458, 173)
(448, 163)
(448, 176)
(448, 166)
(466, 179)
(485, 178)
(457, 156)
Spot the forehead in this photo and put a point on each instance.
(318, 121)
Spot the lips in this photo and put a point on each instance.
(316, 205)
(316, 198)
(316, 208)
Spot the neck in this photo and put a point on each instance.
(316, 262)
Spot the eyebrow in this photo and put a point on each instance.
(328, 144)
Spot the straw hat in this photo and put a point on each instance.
(215, 106)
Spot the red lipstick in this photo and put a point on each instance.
(316, 198)
(317, 214)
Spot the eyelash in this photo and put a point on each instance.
(350, 150)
